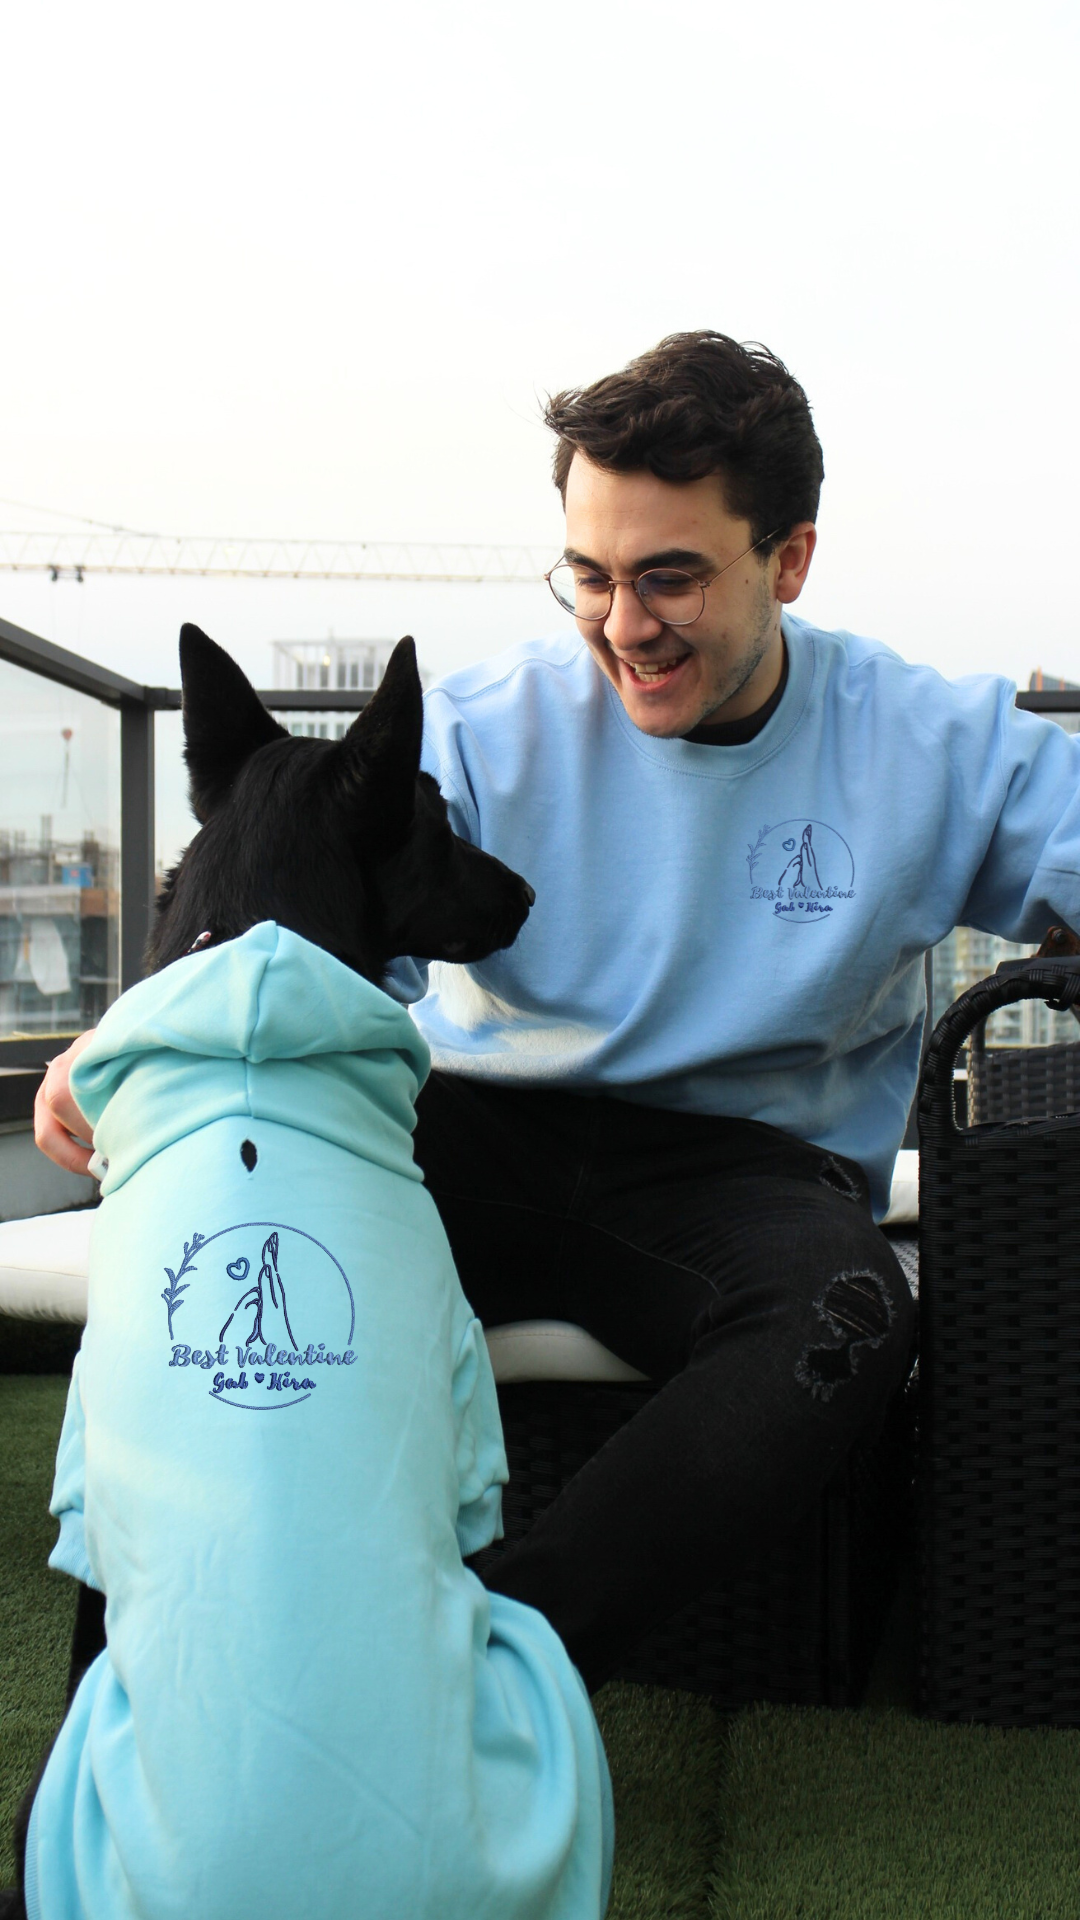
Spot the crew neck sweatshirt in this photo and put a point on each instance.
(742, 932)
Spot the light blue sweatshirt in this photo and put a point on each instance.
(740, 930)
(281, 1436)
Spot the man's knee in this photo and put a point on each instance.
(864, 1323)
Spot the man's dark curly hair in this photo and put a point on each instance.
(701, 403)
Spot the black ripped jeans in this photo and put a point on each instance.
(735, 1265)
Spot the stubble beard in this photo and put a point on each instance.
(743, 670)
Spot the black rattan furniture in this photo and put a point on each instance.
(799, 1626)
(1021, 1083)
(998, 1490)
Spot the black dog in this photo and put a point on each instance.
(344, 842)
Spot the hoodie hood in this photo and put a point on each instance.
(268, 1026)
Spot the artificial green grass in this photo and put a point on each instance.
(37, 1607)
(776, 1813)
(666, 1754)
(875, 1813)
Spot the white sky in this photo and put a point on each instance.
(306, 271)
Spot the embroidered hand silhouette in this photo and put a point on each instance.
(802, 866)
(266, 1299)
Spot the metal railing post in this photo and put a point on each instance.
(136, 837)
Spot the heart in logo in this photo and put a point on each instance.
(788, 844)
(259, 1378)
(237, 1269)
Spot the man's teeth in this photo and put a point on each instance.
(654, 671)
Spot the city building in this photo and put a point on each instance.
(59, 925)
(341, 666)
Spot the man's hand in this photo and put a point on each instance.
(59, 1127)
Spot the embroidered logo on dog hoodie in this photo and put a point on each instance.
(281, 1436)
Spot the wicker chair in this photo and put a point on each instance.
(998, 1488)
(1020, 1083)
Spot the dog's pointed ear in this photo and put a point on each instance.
(383, 744)
(225, 722)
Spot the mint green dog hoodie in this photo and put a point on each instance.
(281, 1437)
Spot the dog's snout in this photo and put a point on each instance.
(529, 892)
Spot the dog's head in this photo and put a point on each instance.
(345, 841)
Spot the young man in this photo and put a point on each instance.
(669, 1112)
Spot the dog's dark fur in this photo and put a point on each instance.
(344, 841)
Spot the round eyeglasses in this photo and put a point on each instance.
(671, 596)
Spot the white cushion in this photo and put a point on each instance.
(552, 1350)
(904, 1198)
(43, 1265)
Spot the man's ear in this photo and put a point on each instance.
(225, 722)
(794, 552)
(381, 750)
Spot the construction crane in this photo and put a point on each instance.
(73, 556)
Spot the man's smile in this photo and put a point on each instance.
(658, 670)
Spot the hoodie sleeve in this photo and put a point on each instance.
(481, 1457)
(69, 1485)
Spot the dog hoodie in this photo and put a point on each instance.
(281, 1436)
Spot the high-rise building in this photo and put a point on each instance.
(59, 931)
(338, 664)
(341, 666)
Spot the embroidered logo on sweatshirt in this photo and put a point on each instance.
(802, 868)
(254, 1298)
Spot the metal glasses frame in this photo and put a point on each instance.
(702, 585)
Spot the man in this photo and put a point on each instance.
(669, 1113)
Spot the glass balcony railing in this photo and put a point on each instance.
(59, 856)
(93, 811)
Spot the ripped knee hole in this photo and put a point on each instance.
(858, 1311)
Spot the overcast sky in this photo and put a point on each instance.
(308, 271)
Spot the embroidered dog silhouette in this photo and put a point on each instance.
(267, 1301)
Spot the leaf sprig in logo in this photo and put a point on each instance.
(177, 1285)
